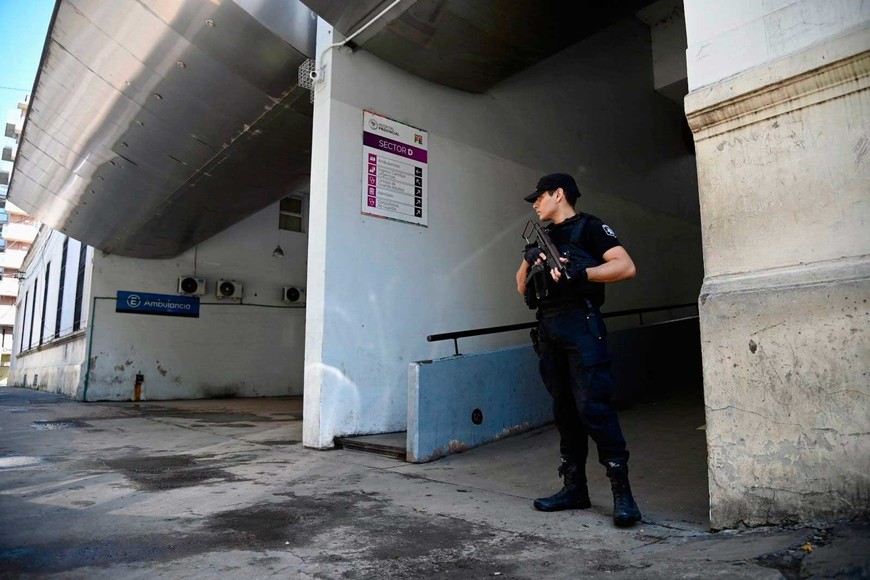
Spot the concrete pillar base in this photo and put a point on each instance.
(786, 390)
(783, 179)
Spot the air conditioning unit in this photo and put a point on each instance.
(191, 286)
(231, 289)
(293, 295)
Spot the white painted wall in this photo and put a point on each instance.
(54, 369)
(726, 38)
(378, 287)
(252, 348)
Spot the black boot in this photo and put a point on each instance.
(625, 510)
(573, 496)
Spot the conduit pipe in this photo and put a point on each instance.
(319, 77)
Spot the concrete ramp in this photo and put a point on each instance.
(462, 401)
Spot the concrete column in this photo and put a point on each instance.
(782, 154)
(316, 374)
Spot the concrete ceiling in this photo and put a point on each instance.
(471, 45)
(155, 124)
(149, 129)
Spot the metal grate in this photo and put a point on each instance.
(304, 78)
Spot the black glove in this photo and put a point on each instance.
(532, 255)
(577, 264)
(578, 273)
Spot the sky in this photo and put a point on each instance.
(23, 25)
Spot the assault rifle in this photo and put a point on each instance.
(547, 247)
(539, 272)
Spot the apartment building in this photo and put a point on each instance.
(17, 232)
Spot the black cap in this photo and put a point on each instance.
(555, 181)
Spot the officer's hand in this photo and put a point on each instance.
(555, 273)
(534, 255)
(580, 276)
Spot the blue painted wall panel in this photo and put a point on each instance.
(651, 361)
(504, 385)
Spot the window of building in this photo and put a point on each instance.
(80, 288)
(33, 313)
(44, 302)
(23, 322)
(290, 217)
(60, 285)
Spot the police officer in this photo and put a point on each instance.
(572, 346)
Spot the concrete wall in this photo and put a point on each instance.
(378, 287)
(727, 38)
(55, 368)
(783, 176)
(250, 348)
(668, 35)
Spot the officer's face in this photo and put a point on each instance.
(545, 206)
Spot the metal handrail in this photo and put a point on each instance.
(456, 335)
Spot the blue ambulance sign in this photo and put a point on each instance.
(160, 304)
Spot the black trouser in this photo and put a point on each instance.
(575, 367)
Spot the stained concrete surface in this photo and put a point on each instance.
(197, 489)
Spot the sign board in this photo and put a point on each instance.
(160, 304)
(395, 182)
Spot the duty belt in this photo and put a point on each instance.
(547, 310)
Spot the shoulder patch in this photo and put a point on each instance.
(608, 230)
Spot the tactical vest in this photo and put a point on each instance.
(573, 291)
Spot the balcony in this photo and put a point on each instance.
(13, 232)
(12, 259)
(8, 286)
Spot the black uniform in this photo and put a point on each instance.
(572, 346)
